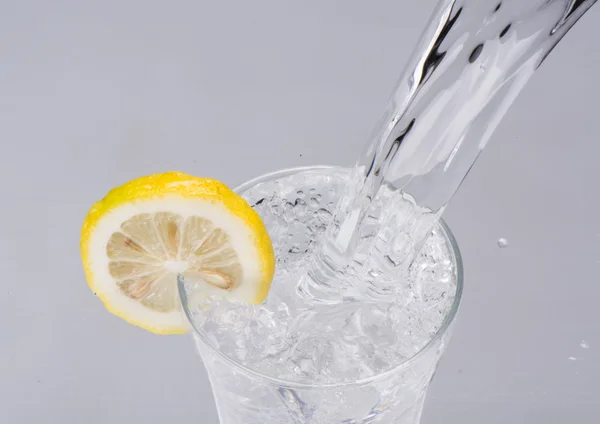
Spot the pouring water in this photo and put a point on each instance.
(469, 66)
(368, 278)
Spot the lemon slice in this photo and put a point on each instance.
(136, 240)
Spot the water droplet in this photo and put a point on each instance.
(313, 202)
(300, 193)
(584, 344)
(502, 242)
(312, 191)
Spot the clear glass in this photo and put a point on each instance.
(245, 396)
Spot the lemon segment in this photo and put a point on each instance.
(136, 240)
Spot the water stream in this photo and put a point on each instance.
(471, 62)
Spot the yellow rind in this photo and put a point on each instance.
(186, 186)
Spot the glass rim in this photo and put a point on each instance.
(448, 319)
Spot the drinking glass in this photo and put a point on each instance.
(244, 395)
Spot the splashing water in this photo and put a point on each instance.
(473, 59)
(368, 360)
(296, 340)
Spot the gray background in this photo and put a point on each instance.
(95, 93)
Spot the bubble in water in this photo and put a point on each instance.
(324, 214)
(502, 242)
(291, 338)
(288, 211)
(300, 207)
